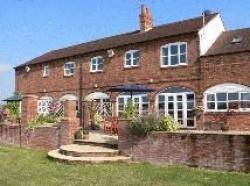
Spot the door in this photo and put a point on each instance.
(178, 105)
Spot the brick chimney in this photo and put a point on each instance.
(146, 20)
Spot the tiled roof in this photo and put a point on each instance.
(224, 45)
(172, 29)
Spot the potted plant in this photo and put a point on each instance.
(81, 134)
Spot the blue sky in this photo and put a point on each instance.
(29, 28)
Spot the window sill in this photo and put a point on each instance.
(131, 67)
(68, 76)
(45, 76)
(96, 72)
(173, 66)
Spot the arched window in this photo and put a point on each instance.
(43, 105)
(178, 102)
(228, 96)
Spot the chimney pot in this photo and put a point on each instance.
(146, 20)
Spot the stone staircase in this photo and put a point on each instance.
(98, 148)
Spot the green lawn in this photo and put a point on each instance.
(25, 167)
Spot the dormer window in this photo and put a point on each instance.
(236, 40)
(132, 58)
(45, 70)
(97, 64)
(69, 68)
(174, 54)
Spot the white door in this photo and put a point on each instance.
(178, 105)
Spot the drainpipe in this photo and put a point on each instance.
(80, 96)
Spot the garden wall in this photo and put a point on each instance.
(215, 150)
(45, 137)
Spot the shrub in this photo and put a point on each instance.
(14, 109)
(142, 126)
(81, 134)
(41, 120)
(130, 111)
(168, 124)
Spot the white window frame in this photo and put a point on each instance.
(46, 70)
(95, 59)
(127, 97)
(178, 44)
(43, 104)
(227, 102)
(133, 59)
(66, 73)
(225, 88)
(175, 110)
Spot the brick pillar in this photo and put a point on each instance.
(29, 108)
(152, 108)
(86, 114)
(70, 123)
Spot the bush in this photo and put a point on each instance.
(130, 111)
(142, 126)
(168, 124)
(81, 134)
(41, 120)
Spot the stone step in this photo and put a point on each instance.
(108, 144)
(56, 155)
(77, 150)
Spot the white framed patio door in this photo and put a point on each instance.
(178, 105)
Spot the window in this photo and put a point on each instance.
(174, 54)
(69, 68)
(43, 105)
(225, 97)
(141, 102)
(131, 58)
(45, 70)
(96, 64)
(179, 103)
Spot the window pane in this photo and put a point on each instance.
(245, 96)
(164, 51)
(233, 96)
(128, 56)
(174, 49)
(170, 98)
(136, 61)
(170, 105)
(233, 105)
(211, 105)
(174, 60)
(190, 123)
(165, 60)
(100, 66)
(136, 54)
(221, 96)
(161, 106)
(210, 97)
(222, 105)
(183, 48)
(145, 99)
(190, 105)
(161, 98)
(245, 104)
(179, 98)
(190, 96)
(179, 105)
(128, 62)
(183, 58)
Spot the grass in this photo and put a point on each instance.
(26, 167)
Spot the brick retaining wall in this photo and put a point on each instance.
(215, 150)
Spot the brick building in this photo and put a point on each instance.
(189, 63)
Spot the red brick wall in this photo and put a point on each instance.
(114, 72)
(211, 150)
(216, 70)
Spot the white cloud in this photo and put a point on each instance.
(4, 68)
